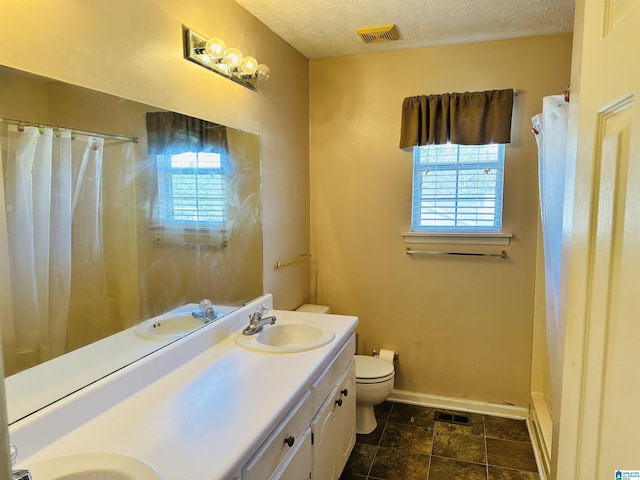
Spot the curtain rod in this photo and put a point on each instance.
(73, 130)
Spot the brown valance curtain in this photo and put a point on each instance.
(469, 118)
(173, 133)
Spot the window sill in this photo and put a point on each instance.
(183, 235)
(458, 238)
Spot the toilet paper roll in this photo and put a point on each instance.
(387, 355)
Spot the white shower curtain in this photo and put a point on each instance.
(550, 128)
(42, 187)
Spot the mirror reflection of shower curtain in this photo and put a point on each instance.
(551, 136)
(30, 193)
(65, 292)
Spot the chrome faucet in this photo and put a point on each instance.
(257, 321)
(17, 474)
(206, 312)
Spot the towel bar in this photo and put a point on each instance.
(502, 254)
(303, 256)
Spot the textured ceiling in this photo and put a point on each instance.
(326, 28)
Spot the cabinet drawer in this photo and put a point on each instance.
(331, 375)
(268, 458)
(296, 465)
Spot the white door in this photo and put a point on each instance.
(598, 429)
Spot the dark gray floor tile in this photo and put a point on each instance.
(412, 415)
(516, 455)
(507, 429)
(409, 438)
(406, 435)
(397, 464)
(351, 476)
(497, 473)
(470, 448)
(372, 438)
(382, 411)
(448, 469)
(360, 459)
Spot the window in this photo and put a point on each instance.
(457, 188)
(192, 189)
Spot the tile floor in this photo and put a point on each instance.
(409, 444)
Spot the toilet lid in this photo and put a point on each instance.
(372, 367)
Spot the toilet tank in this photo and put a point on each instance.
(311, 308)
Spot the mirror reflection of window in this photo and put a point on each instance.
(192, 189)
(192, 162)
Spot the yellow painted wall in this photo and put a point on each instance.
(462, 326)
(134, 49)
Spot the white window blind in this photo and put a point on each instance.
(458, 188)
(192, 189)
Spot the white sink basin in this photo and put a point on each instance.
(93, 466)
(289, 337)
(168, 328)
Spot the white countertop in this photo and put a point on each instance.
(201, 420)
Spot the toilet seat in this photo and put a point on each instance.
(372, 370)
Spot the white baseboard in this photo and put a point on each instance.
(450, 403)
(541, 433)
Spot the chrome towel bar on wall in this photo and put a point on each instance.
(502, 254)
(303, 256)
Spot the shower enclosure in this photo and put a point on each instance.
(550, 129)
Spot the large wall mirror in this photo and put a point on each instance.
(104, 232)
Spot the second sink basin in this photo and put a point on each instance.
(93, 466)
(288, 337)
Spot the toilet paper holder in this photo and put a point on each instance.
(375, 353)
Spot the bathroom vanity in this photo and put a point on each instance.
(205, 407)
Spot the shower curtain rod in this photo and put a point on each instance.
(73, 130)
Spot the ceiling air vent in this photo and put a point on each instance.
(382, 33)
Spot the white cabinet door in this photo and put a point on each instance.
(325, 439)
(346, 416)
(334, 429)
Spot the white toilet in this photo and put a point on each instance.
(374, 381)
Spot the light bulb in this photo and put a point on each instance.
(215, 47)
(249, 65)
(263, 72)
(233, 57)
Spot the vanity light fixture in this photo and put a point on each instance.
(213, 54)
